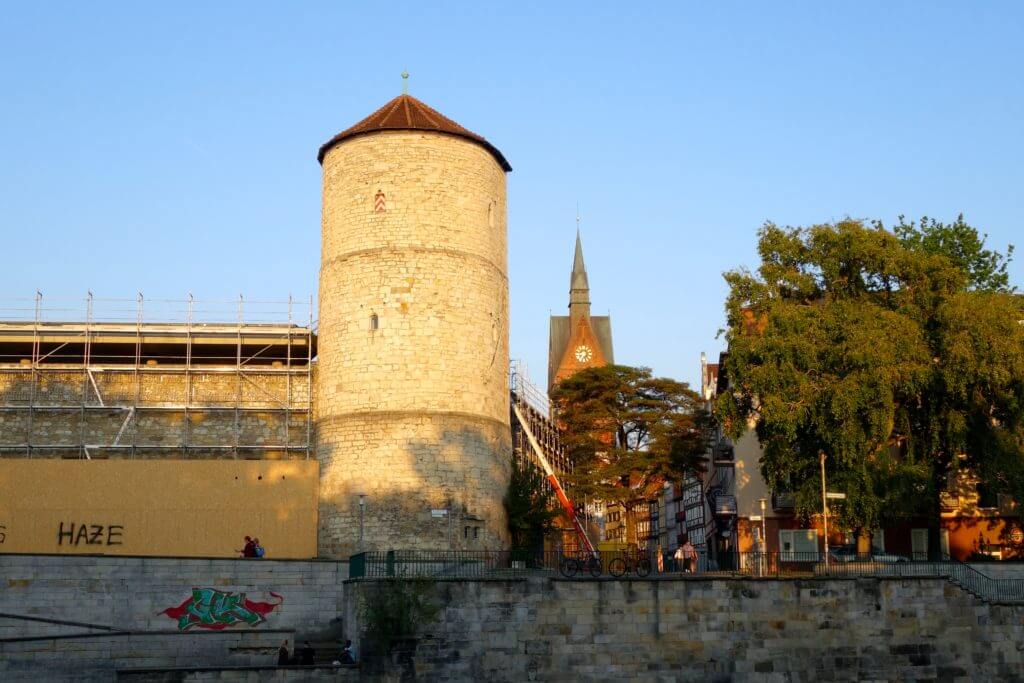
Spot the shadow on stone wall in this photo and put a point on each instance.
(420, 492)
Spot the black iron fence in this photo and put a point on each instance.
(508, 564)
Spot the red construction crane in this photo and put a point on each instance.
(570, 509)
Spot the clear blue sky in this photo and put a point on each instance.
(172, 149)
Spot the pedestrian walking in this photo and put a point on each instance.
(283, 656)
(689, 557)
(249, 549)
(306, 655)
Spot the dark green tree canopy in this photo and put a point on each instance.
(890, 353)
(628, 431)
(528, 502)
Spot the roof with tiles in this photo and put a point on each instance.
(407, 113)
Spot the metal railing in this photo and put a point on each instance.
(507, 564)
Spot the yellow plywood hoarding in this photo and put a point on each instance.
(190, 508)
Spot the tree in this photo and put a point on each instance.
(896, 360)
(961, 244)
(528, 504)
(628, 432)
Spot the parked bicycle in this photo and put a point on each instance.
(632, 562)
(570, 566)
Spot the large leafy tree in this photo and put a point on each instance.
(898, 356)
(960, 243)
(628, 432)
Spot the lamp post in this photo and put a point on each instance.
(824, 507)
(764, 526)
(362, 510)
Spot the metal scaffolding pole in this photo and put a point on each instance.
(238, 376)
(188, 376)
(83, 451)
(138, 371)
(288, 377)
(35, 377)
(309, 382)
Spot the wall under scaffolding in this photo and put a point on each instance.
(110, 378)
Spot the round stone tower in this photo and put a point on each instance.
(412, 402)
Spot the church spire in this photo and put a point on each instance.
(579, 286)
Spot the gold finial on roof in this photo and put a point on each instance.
(405, 82)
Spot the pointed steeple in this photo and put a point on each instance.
(579, 286)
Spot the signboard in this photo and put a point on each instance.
(835, 496)
(438, 513)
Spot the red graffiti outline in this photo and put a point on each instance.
(260, 608)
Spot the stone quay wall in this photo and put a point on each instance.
(412, 403)
(129, 594)
(698, 629)
(63, 407)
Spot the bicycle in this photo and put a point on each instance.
(638, 564)
(570, 566)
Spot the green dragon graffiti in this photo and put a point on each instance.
(217, 610)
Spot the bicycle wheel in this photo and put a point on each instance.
(617, 567)
(569, 567)
(643, 567)
(594, 567)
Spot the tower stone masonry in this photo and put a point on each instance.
(411, 389)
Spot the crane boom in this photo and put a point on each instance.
(549, 472)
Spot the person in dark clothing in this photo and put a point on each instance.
(306, 654)
(346, 653)
(283, 656)
(249, 549)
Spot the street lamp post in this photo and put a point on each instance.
(362, 510)
(764, 527)
(824, 507)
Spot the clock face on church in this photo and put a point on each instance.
(583, 353)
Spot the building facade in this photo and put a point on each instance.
(412, 409)
(400, 396)
(579, 340)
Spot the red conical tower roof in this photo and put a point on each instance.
(405, 112)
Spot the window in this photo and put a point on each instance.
(374, 322)
(919, 544)
(798, 544)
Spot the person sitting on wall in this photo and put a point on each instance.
(249, 549)
(347, 656)
(257, 550)
(283, 656)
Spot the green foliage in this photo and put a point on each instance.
(396, 609)
(528, 504)
(895, 358)
(627, 432)
(961, 244)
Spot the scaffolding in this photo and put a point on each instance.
(535, 408)
(112, 364)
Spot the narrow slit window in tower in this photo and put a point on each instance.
(374, 322)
